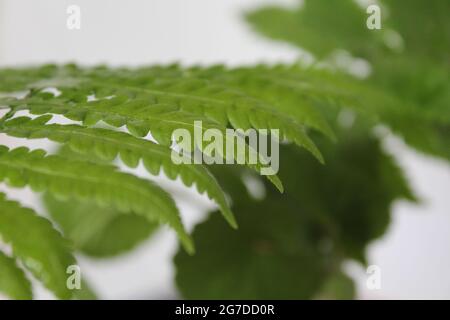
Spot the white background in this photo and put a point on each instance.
(414, 255)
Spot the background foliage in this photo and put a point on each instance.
(345, 204)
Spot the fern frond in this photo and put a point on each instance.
(158, 103)
(139, 116)
(67, 178)
(275, 86)
(222, 105)
(13, 282)
(108, 144)
(259, 82)
(42, 250)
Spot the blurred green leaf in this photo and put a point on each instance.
(319, 26)
(42, 249)
(353, 192)
(97, 231)
(424, 27)
(339, 286)
(272, 255)
(415, 73)
(85, 292)
(288, 244)
(13, 282)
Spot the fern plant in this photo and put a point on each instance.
(327, 214)
(162, 105)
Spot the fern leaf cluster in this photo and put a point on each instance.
(79, 180)
(108, 144)
(153, 99)
(131, 113)
(296, 100)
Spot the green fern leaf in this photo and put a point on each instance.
(13, 281)
(67, 178)
(139, 117)
(144, 103)
(258, 82)
(107, 144)
(41, 248)
(274, 85)
(202, 98)
(218, 103)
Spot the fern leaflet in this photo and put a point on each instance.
(67, 178)
(107, 144)
(13, 282)
(42, 250)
